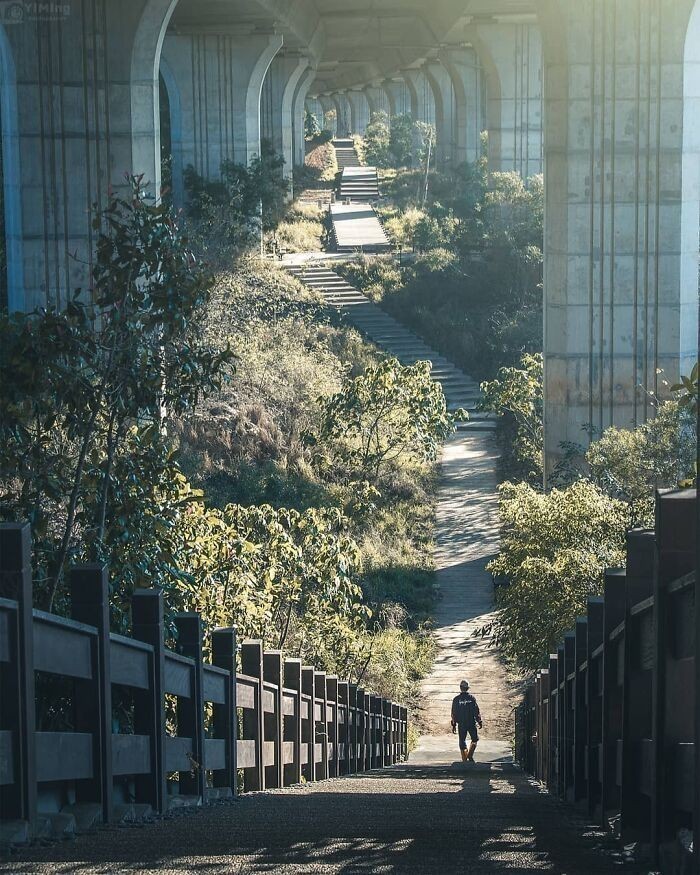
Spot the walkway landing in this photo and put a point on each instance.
(356, 227)
(447, 819)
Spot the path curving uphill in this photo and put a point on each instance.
(466, 534)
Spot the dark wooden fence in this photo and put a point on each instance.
(612, 722)
(138, 714)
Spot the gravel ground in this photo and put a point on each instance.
(467, 819)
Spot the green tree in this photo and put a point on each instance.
(554, 548)
(515, 396)
(401, 140)
(377, 139)
(311, 126)
(390, 412)
(85, 391)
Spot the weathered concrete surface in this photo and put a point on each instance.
(356, 226)
(466, 538)
(445, 819)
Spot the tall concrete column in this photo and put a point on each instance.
(79, 111)
(277, 104)
(219, 79)
(344, 112)
(359, 111)
(298, 106)
(622, 209)
(511, 55)
(399, 97)
(328, 110)
(421, 97)
(464, 68)
(377, 99)
(251, 56)
(442, 88)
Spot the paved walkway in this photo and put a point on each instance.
(466, 538)
(443, 819)
(356, 226)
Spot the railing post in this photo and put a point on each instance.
(332, 703)
(272, 674)
(223, 652)
(89, 588)
(361, 730)
(292, 680)
(19, 799)
(190, 712)
(369, 732)
(353, 724)
(149, 714)
(307, 686)
(254, 724)
(320, 691)
(613, 615)
(392, 750)
(344, 733)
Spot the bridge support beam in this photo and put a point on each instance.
(622, 157)
(442, 88)
(464, 68)
(377, 99)
(219, 78)
(79, 110)
(399, 97)
(511, 56)
(279, 89)
(344, 112)
(328, 111)
(359, 111)
(298, 109)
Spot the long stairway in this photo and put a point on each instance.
(346, 154)
(359, 184)
(460, 390)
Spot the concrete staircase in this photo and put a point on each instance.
(359, 185)
(395, 339)
(356, 227)
(346, 154)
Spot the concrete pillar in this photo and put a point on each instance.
(464, 68)
(298, 105)
(399, 97)
(421, 97)
(79, 110)
(511, 56)
(622, 163)
(329, 111)
(344, 112)
(277, 108)
(219, 78)
(442, 88)
(377, 99)
(359, 111)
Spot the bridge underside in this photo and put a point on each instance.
(601, 97)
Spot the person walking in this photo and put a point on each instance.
(465, 718)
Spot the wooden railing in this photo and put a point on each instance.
(613, 721)
(189, 730)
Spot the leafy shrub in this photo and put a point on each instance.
(554, 548)
(391, 412)
(84, 394)
(376, 140)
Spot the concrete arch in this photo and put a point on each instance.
(11, 176)
(145, 114)
(175, 132)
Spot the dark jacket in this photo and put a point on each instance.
(465, 710)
